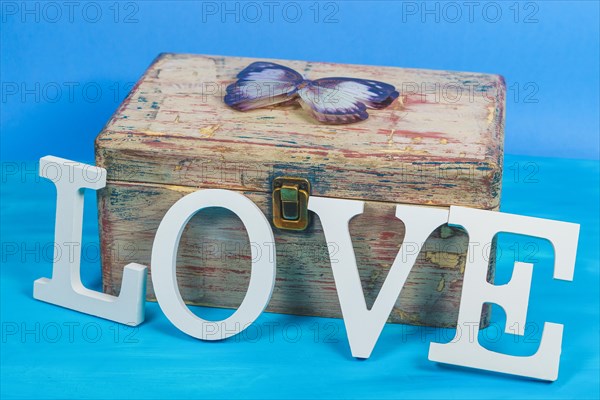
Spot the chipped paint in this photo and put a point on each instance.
(491, 114)
(166, 144)
(444, 260)
(446, 232)
(390, 139)
(209, 131)
(441, 285)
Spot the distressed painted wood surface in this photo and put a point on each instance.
(439, 144)
(213, 266)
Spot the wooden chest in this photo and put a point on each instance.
(439, 144)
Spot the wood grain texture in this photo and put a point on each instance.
(440, 144)
(427, 148)
(213, 266)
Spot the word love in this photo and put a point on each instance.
(363, 325)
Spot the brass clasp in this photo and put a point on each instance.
(290, 203)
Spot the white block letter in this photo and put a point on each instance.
(65, 288)
(513, 297)
(364, 326)
(164, 256)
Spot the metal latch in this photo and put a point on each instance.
(290, 203)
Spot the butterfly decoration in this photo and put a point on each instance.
(328, 100)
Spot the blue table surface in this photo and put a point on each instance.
(50, 352)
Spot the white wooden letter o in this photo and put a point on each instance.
(164, 256)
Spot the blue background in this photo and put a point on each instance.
(63, 74)
(547, 51)
(303, 357)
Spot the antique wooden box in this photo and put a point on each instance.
(439, 144)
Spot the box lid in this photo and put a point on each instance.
(440, 143)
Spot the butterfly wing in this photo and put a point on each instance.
(262, 84)
(345, 100)
(330, 105)
(373, 94)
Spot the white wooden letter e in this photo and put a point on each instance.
(513, 297)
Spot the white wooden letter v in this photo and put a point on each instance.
(363, 326)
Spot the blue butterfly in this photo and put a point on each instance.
(329, 100)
